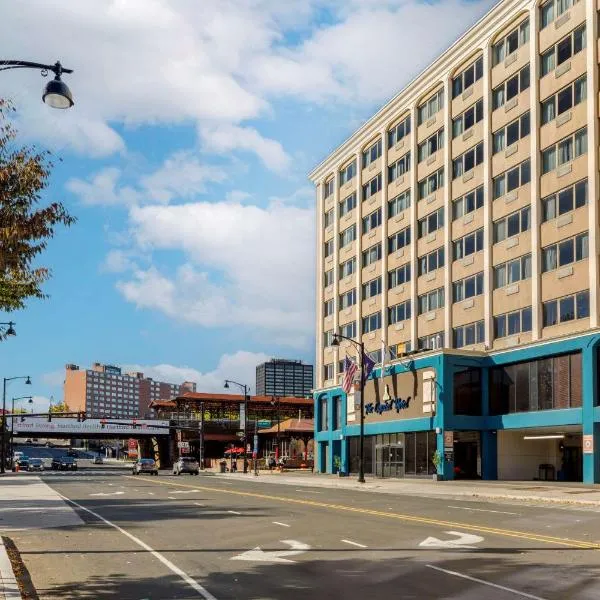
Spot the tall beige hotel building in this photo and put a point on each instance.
(458, 228)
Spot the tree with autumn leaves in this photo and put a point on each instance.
(25, 225)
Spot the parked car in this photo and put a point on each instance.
(22, 462)
(186, 465)
(98, 460)
(64, 463)
(35, 464)
(145, 465)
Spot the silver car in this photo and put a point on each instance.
(186, 465)
(35, 464)
(145, 465)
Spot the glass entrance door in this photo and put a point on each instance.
(389, 460)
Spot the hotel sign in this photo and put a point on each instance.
(394, 397)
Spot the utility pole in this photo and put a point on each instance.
(201, 437)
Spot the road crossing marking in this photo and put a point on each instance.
(354, 543)
(282, 524)
(234, 512)
(488, 583)
(202, 591)
(568, 542)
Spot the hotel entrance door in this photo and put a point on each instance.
(389, 460)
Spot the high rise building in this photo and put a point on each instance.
(461, 220)
(104, 391)
(281, 377)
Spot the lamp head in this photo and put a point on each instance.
(28, 381)
(11, 329)
(335, 341)
(57, 94)
(226, 386)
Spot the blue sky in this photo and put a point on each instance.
(185, 160)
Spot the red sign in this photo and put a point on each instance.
(132, 448)
(588, 444)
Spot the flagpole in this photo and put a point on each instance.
(361, 459)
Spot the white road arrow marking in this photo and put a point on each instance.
(107, 494)
(274, 556)
(464, 540)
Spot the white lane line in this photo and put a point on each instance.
(282, 524)
(171, 498)
(500, 512)
(488, 583)
(234, 512)
(309, 491)
(204, 593)
(198, 504)
(354, 543)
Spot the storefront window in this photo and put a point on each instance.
(467, 392)
(545, 384)
(418, 451)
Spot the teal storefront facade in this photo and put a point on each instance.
(534, 403)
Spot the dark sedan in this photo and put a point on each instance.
(64, 463)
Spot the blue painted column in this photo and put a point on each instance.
(443, 409)
(330, 432)
(591, 462)
(489, 439)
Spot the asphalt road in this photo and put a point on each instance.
(172, 537)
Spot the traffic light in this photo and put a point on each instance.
(81, 416)
(134, 423)
(102, 423)
(49, 416)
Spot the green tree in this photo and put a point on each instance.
(25, 226)
(60, 407)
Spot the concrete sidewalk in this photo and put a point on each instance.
(9, 588)
(527, 491)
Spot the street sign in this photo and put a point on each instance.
(182, 445)
(588, 444)
(248, 447)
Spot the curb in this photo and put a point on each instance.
(9, 588)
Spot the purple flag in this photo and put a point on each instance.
(367, 366)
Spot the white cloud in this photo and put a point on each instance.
(117, 261)
(181, 176)
(240, 366)
(245, 266)
(223, 139)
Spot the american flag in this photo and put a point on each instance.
(350, 369)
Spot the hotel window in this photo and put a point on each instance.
(431, 301)
(467, 78)
(371, 288)
(371, 154)
(328, 278)
(563, 50)
(371, 322)
(323, 422)
(564, 100)
(469, 244)
(328, 220)
(328, 250)
(512, 225)
(371, 221)
(347, 268)
(568, 308)
(431, 107)
(512, 323)
(469, 203)
(348, 173)
(467, 161)
(565, 151)
(328, 308)
(564, 201)
(348, 299)
(565, 252)
(512, 271)
(399, 240)
(431, 145)
(552, 10)
(435, 341)
(432, 222)
(398, 204)
(464, 122)
(401, 166)
(467, 288)
(511, 88)
(431, 183)
(348, 330)
(348, 235)
(372, 187)
(328, 371)
(371, 255)
(467, 335)
(512, 133)
(509, 44)
(432, 261)
(512, 179)
(347, 204)
(398, 132)
(399, 312)
(328, 188)
(327, 338)
(399, 276)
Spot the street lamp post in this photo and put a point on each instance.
(3, 432)
(56, 93)
(12, 424)
(361, 347)
(245, 389)
(277, 401)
